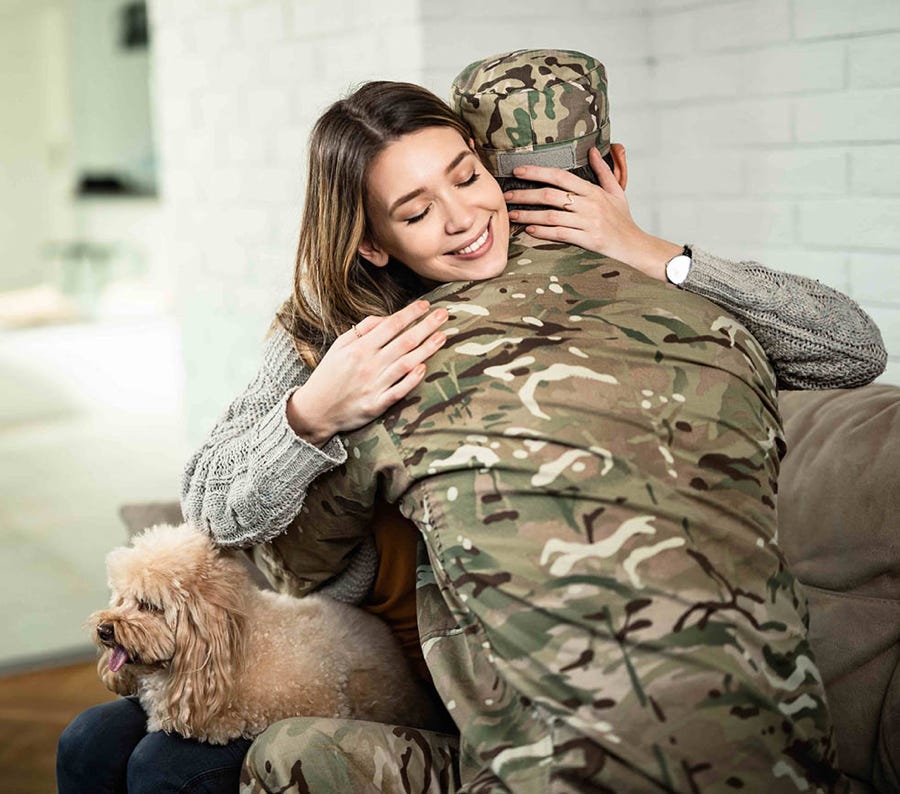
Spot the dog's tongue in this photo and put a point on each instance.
(118, 658)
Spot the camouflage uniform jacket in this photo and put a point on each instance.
(592, 461)
(247, 480)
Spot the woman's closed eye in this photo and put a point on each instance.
(470, 181)
(417, 218)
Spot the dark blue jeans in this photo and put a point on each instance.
(107, 750)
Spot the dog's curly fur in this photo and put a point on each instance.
(213, 657)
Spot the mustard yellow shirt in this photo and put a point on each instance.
(393, 595)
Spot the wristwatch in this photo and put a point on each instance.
(678, 267)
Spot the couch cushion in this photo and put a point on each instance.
(838, 503)
(140, 515)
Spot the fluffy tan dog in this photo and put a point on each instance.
(213, 657)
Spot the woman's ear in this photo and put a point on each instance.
(373, 253)
(620, 164)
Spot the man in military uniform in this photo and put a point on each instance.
(592, 463)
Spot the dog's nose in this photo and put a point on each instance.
(105, 632)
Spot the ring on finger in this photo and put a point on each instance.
(570, 200)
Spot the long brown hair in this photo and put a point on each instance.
(334, 287)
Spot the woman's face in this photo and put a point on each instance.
(434, 207)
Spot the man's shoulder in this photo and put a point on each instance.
(527, 256)
(522, 244)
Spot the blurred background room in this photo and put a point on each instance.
(152, 160)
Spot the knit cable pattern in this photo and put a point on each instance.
(815, 336)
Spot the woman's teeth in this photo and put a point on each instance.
(477, 244)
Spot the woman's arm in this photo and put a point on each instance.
(248, 480)
(815, 336)
(249, 477)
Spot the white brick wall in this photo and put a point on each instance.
(873, 61)
(806, 172)
(875, 170)
(749, 23)
(848, 116)
(799, 165)
(765, 129)
(841, 18)
(793, 68)
(238, 85)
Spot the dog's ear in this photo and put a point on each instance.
(209, 644)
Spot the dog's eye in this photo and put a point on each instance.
(146, 606)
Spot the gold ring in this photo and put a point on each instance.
(570, 200)
(356, 331)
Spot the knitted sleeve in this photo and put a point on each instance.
(815, 336)
(249, 478)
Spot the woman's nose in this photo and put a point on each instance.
(460, 216)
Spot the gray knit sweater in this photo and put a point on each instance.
(248, 480)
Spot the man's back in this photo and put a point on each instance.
(592, 461)
(574, 376)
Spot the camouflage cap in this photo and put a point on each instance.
(534, 107)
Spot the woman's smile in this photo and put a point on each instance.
(478, 247)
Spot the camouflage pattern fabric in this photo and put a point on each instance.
(326, 756)
(592, 460)
(535, 107)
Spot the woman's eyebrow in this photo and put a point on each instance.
(403, 199)
(413, 193)
(457, 160)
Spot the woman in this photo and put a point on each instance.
(350, 341)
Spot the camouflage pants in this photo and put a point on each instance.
(325, 756)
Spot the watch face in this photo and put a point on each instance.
(677, 268)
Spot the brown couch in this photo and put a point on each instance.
(838, 504)
(839, 499)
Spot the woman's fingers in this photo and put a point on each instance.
(524, 196)
(366, 324)
(379, 333)
(604, 173)
(566, 186)
(399, 368)
(548, 197)
(558, 234)
(413, 337)
(405, 350)
(571, 220)
(367, 369)
(541, 196)
(403, 386)
(565, 181)
(358, 330)
(412, 347)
